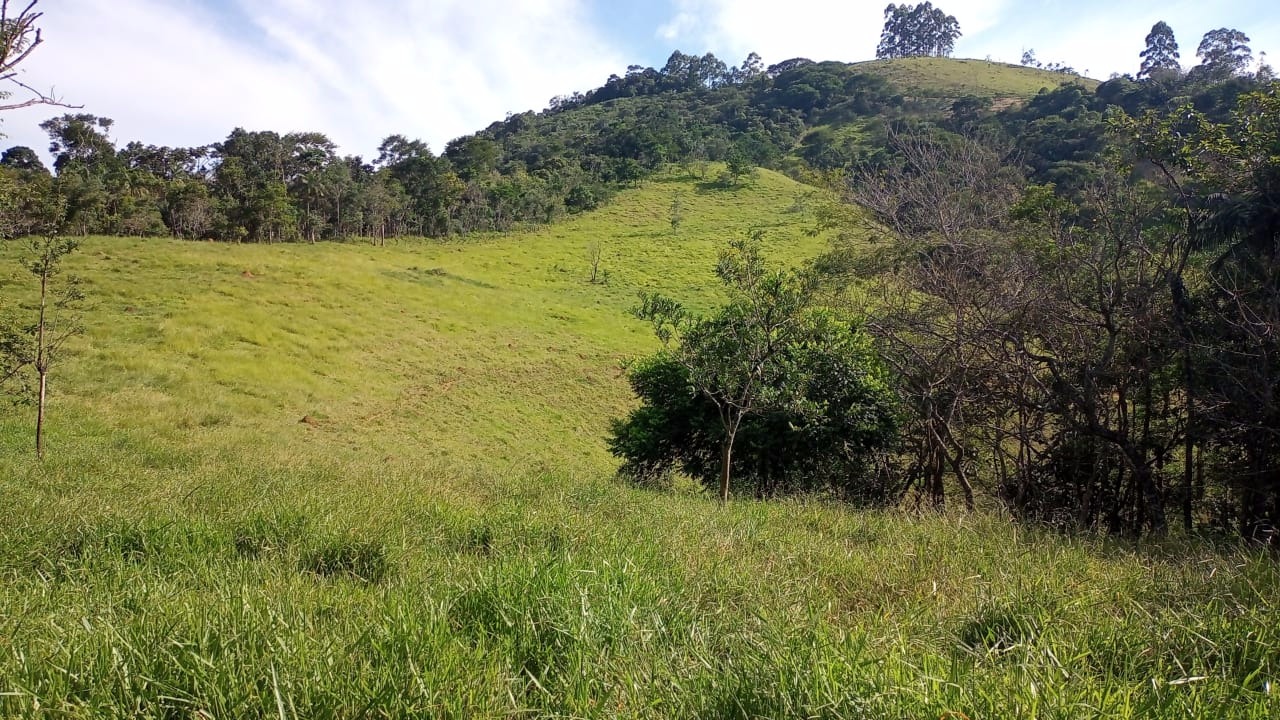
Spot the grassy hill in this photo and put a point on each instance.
(949, 78)
(352, 481)
(480, 348)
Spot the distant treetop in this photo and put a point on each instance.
(1224, 52)
(1161, 54)
(917, 31)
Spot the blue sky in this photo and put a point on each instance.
(185, 72)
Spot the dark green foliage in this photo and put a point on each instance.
(823, 443)
(968, 113)
(999, 629)
(1161, 55)
(672, 425)
(475, 538)
(1223, 52)
(113, 540)
(265, 535)
(23, 158)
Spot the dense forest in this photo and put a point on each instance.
(1076, 301)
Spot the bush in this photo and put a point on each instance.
(824, 443)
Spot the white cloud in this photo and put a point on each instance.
(680, 25)
(816, 29)
(173, 72)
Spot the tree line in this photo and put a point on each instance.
(1102, 357)
(264, 186)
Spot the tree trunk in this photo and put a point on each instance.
(1189, 447)
(40, 415)
(42, 360)
(966, 488)
(726, 456)
(1152, 501)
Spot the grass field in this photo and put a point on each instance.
(345, 481)
(953, 78)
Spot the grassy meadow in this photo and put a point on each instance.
(337, 480)
(952, 78)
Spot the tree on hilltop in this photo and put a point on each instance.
(1223, 53)
(917, 31)
(1161, 54)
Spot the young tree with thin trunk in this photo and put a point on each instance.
(734, 358)
(55, 322)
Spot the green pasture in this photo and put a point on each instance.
(343, 481)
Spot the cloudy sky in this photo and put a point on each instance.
(186, 72)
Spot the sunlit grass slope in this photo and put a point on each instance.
(346, 481)
(953, 78)
(492, 348)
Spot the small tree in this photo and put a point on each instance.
(841, 414)
(737, 166)
(595, 254)
(736, 357)
(37, 345)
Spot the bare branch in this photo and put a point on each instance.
(39, 99)
(19, 37)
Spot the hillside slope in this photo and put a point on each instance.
(484, 348)
(951, 78)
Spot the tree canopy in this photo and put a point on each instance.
(917, 30)
(1161, 54)
(1224, 52)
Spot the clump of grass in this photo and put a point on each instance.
(270, 534)
(127, 541)
(348, 557)
(1000, 629)
(477, 538)
(131, 540)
